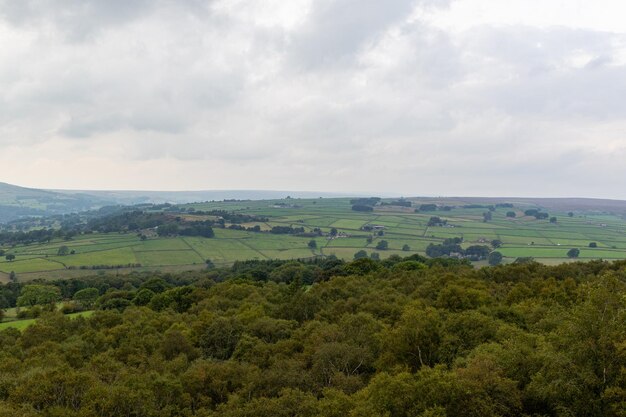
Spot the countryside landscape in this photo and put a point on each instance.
(297, 228)
(312, 208)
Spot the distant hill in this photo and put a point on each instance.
(18, 202)
(588, 205)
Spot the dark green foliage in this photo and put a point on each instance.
(495, 258)
(573, 253)
(403, 337)
(511, 214)
(286, 230)
(382, 245)
(63, 251)
(449, 246)
(436, 221)
(362, 207)
(593, 245)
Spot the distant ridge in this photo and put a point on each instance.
(17, 202)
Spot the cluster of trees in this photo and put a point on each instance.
(13, 238)
(401, 337)
(436, 221)
(286, 230)
(452, 247)
(538, 214)
(364, 204)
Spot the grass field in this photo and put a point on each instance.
(521, 237)
(22, 324)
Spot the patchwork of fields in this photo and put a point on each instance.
(521, 237)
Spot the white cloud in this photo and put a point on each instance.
(414, 97)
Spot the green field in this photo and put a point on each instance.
(521, 237)
(22, 324)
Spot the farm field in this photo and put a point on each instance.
(522, 236)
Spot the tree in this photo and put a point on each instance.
(496, 243)
(511, 214)
(86, 297)
(573, 253)
(570, 214)
(436, 221)
(12, 276)
(312, 244)
(552, 219)
(33, 295)
(63, 251)
(495, 258)
(593, 245)
(360, 254)
(487, 216)
(406, 248)
(382, 245)
(333, 231)
(209, 264)
(10, 257)
(2, 252)
(375, 256)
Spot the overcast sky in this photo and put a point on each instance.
(415, 97)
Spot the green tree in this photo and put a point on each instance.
(10, 257)
(511, 214)
(573, 253)
(382, 245)
(593, 245)
(360, 254)
(32, 295)
(312, 244)
(553, 219)
(63, 251)
(86, 297)
(495, 258)
(406, 248)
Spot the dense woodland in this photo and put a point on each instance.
(400, 337)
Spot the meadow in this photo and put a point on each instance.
(522, 236)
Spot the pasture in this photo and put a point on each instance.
(522, 236)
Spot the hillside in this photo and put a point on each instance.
(18, 202)
(161, 237)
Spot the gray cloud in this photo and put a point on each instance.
(296, 95)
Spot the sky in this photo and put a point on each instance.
(406, 97)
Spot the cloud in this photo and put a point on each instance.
(334, 95)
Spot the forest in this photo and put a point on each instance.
(402, 337)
